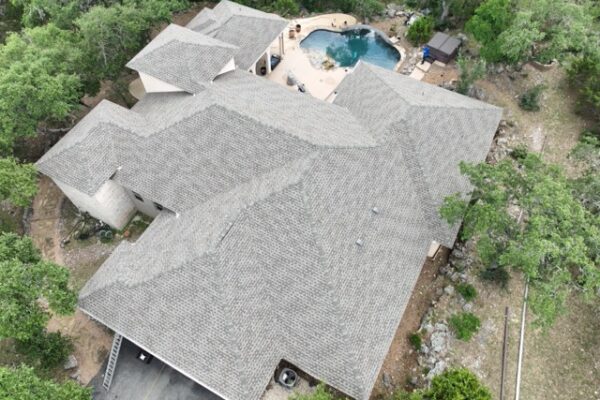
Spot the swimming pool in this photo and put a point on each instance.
(349, 46)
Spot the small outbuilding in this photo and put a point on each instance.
(443, 47)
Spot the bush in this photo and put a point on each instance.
(584, 75)
(456, 384)
(45, 350)
(320, 394)
(286, 7)
(467, 291)
(420, 31)
(529, 101)
(368, 8)
(452, 384)
(469, 72)
(465, 325)
(416, 341)
(498, 275)
(23, 383)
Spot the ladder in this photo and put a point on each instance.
(112, 361)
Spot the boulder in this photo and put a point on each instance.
(70, 363)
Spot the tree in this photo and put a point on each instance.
(491, 18)
(420, 31)
(111, 36)
(286, 7)
(368, 8)
(37, 81)
(22, 383)
(25, 279)
(587, 186)
(60, 12)
(469, 72)
(533, 29)
(556, 241)
(584, 75)
(18, 182)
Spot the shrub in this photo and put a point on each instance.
(469, 72)
(584, 75)
(456, 384)
(497, 275)
(519, 152)
(452, 384)
(465, 325)
(529, 101)
(416, 341)
(320, 394)
(286, 7)
(368, 8)
(467, 291)
(420, 31)
(45, 350)
(23, 383)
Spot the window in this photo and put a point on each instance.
(158, 206)
(137, 196)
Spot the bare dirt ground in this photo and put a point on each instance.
(401, 361)
(91, 340)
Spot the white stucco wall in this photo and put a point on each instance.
(229, 67)
(147, 206)
(110, 204)
(154, 85)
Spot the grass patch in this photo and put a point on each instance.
(416, 341)
(465, 325)
(467, 291)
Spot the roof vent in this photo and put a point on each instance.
(288, 378)
(359, 242)
(375, 210)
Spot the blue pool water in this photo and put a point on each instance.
(347, 47)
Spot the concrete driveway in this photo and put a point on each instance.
(134, 380)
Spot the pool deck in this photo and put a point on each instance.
(320, 83)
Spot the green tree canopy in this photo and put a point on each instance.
(24, 279)
(18, 182)
(23, 384)
(37, 81)
(111, 36)
(533, 29)
(556, 244)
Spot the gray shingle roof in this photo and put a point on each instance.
(275, 251)
(251, 30)
(183, 58)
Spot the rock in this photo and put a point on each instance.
(439, 292)
(455, 277)
(462, 37)
(441, 327)
(425, 349)
(444, 270)
(468, 307)
(449, 290)
(499, 69)
(70, 363)
(387, 382)
(439, 342)
(414, 381)
(426, 327)
(439, 367)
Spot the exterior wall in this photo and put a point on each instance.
(229, 67)
(147, 206)
(154, 85)
(111, 203)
